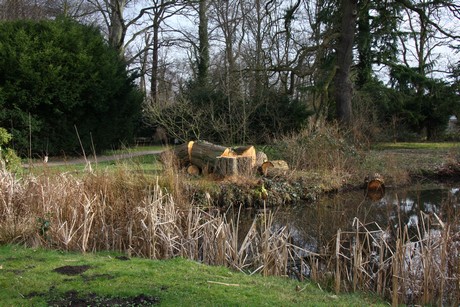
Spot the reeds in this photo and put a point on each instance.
(134, 214)
(409, 269)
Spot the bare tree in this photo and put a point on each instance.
(43, 9)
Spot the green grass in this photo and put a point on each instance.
(149, 164)
(27, 278)
(418, 145)
(133, 149)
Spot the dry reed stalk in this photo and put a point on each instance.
(395, 272)
(337, 264)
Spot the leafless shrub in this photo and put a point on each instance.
(322, 148)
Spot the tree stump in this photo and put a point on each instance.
(246, 151)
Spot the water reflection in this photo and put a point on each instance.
(313, 226)
(365, 253)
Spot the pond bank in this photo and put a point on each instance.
(398, 167)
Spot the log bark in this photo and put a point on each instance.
(204, 155)
(200, 153)
(232, 166)
(261, 157)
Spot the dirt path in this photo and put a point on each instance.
(92, 159)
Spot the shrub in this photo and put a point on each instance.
(8, 157)
(323, 149)
(57, 76)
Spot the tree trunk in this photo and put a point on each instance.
(117, 28)
(155, 51)
(343, 85)
(203, 52)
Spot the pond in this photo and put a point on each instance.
(404, 246)
(314, 225)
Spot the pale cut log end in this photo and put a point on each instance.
(193, 170)
(189, 150)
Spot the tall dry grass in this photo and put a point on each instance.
(324, 149)
(132, 213)
(128, 212)
(420, 269)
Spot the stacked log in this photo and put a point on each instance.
(204, 157)
(201, 157)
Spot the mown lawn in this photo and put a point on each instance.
(35, 277)
(418, 145)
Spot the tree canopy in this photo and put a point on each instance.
(61, 83)
(243, 71)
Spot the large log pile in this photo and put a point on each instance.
(200, 157)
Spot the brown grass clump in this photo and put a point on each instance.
(323, 150)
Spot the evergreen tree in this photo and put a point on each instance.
(57, 77)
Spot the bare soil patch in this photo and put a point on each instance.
(73, 298)
(72, 270)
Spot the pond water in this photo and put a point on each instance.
(404, 232)
(313, 226)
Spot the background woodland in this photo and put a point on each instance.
(232, 72)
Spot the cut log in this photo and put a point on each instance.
(278, 166)
(375, 186)
(231, 166)
(193, 170)
(209, 158)
(200, 153)
(261, 157)
(204, 155)
(375, 183)
(246, 151)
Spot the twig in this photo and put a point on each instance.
(222, 283)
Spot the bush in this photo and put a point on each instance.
(59, 76)
(8, 157)
(323, 149)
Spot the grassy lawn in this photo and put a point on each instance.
(126, 158)
(34, 277)
(413, 158)
(418, 145)
(133, 149)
